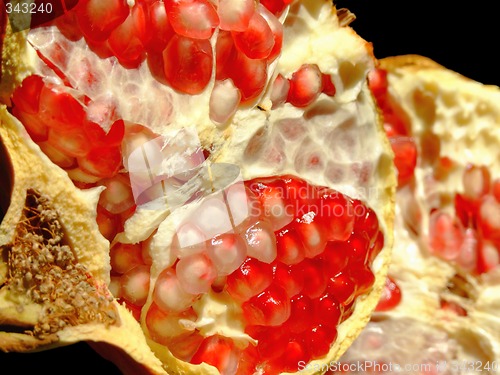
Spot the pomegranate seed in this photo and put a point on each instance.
(296, 352)
(102, 162)
(315, 279)
(391, 296)
(98, 18)
(189, 239)
(165, 326)
(257, 40)
(188, 64)
(489, 217)
(168, 293)
(377, 81)
(275, 6)
(73, 142)
(328, 86)
(334, 258)
(219, 352)
(405, 158)
(250, 279)
(467, 258)
(269, 308)
(327, 310)
(195, 19)
(279, 90)
(376, 247)
(98, 137)
(135, 285)
(260, 242)
(59, 109)
(27, 96)
(300, 314)
(80, 177)
(488, 257)
(118, 196)
(276, 29)
(225, 52)
(343, 288)
(57, 157)
(356, 248)
(228, 252)
(276, 207)
(289, 246)
(249, 75)
(476, 181)
(305, 85)
(107, 222)
(184, 347)
(453, 307)
(272, 341)
(35, 127)
(115, 287)
(196, 273)
(235, 15)
(496, 189)
(125, 257)
(289, 278)
(466, 210)
(445, 236)
(224, 101)
(128, 39)
(68, 25)
(160, 29)
(319, 339)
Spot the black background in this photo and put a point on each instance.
(460, 36)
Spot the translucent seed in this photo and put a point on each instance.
(125, 257)
(391, 295)
(327, 310)
(337, 214)
(305, 85)
(196, 273)
(312, 235)
(115, 287)
(276, 29)
(489, 217)
(189, 239)
(476, 181)
(445, 236)
(261, 242)
(103, 162)
(269, 308)
(250, 279)
(289, 278)
(97, 18)
(300, 314)
(219, 352)
(118, 196)
(227, 251)
(289, 246)
(165, 326)
(319, 339)
(235, 15)
(56, 156)
(249, 75)
(195, 19)
(405, 152)
(26, 97)
(257, 40)
(135, 285)
(35, 127)
(279, 90)
(315, 279)
(168, 293)
(72, 142)
(334, 258)
(342, 288)
(160, 29)
(224, 101)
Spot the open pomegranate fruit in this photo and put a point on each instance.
(192, 186)
(439, 309)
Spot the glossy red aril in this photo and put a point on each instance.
(235, 15)
(195, 19)
(269, 308)
(98, 18)
(276, 6)
(160, 29)
(405, 158)
(305, 85)
(218, 352)
(391, 295)
(257, 40)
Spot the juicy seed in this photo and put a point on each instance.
(250, 279)
(196, 273)
(257, 40)
(187, 64)
(135, 285)
(328, 86)
(445, 236)
(249, 75)
(311, 234)
(195, 19)
(319, 339)
(228, 252)
(476, 181)
(300, 314)
(305, 85)
(118, 196)
(343, 288)
(269, 308)
(391, 296)
(289, 246)
(261, 242)
(235, 15)
(98, 18)
(71, 142)
(224, 101)
(276, 29)
(27, 96)
(125, 257)
(315, 279)
(275, 6)
(169, 294)
(103, 162)
(289, 278)
(219, 352)
(489, 218)
(405, 158)
(496, 189)
(58, 157)
(160, 29)
(279, 90)
(163, 326)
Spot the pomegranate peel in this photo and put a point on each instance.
(250, 141)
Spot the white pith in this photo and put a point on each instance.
(338, 124)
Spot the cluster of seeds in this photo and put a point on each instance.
(46, 270)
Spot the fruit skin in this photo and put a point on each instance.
(16, 144)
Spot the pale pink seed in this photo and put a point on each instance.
(235, 15)
(135, 285)
(168, 293)
(188, 240)
(195, 19)
(276, 211)
(279, 90)
(445, 237)
(224, 101)
(163, 327)
(467, 258)
(242, 203)
(490, 256)
(227, 251)
(276, 28)
(213, 216)
(196, 273)
(305, 85)
(489, 215)
(124, 257)
(476, 181)
(260, 242)
(118, 196)
(76, 174)
(312, 237)
(58, 157)
(115, 286)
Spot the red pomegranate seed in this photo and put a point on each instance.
(98, 18)
(337, 214)
(224, 101)
(135, 285)
(269, 308)
(250, 279)
(488, 257)
(59, 158)
(117, 197)
(59, 109)
(466, 210)
(305, 85)
(277, 30)
(296, 352)
(363, 277)
(334, 258)
(496, 189)
(125, 257)
(405, 158)
(289, 278)
(327, 310)
(235, 15)
(27, 96)
(249, 75)
(188, 64)
(328, 86)
(311, 234)
(377, 81)
(196, 273)
(271, 341)
(228, 252)
(445, 236)
(219, 352)
(391, 296)
(276, 207)
(261, 242)
(319, 339)
(279, 90)
(476, 181)
(107, 222)
(343, 288)
(300, 314)
(356, 248)
(98, 137)
(168, 293)
(103, 162)
(453, 307)
(115, 287)
(35, 127)
(275, 6)
(289, 246)
(195, 19)
(225, 52)
(315, 279)
(257, 40)
(160, 29)
(489, 217)
(72, 142)
(467, 258)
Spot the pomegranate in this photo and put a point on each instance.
(189, 188)
(439, 308)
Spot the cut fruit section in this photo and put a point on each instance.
(444, 277)
(220, 208)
